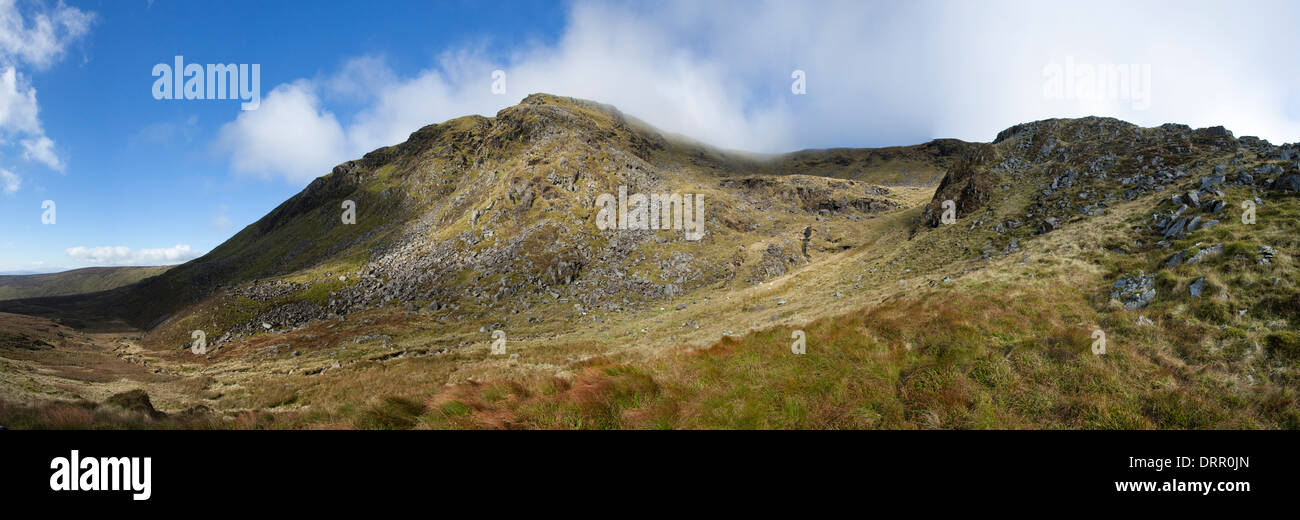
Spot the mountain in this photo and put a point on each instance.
(75, 281)
(474, 211)
(1073, 273)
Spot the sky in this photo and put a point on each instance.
(139, 180)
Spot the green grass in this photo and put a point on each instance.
(989, 356)
(390, 413)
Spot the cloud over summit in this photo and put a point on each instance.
(877, 74)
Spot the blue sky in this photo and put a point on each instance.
(144, 173)
(143, 181)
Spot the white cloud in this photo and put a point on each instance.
(11, 181)
(289, 135)
(42, 39)
(42, 149)
(18, 117)
(18, 106)
(877, 74)
(122, 255)
(36, 36)
(361, 78)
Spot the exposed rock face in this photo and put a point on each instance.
(1082, 167)
(813, 194)
(777, 259)
(968, 184)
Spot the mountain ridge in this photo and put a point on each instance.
(458, 145)
(1061, 228)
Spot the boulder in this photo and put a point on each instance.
(136, 401)
(1288, 182)
(1134, 292)
(1176, 260)
(1266, 255)
(1176, 228)
(1047, 226)
(1203, 254)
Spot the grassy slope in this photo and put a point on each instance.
(76, 281)
(1005, 347)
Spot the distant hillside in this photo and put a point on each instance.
(76, 281)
